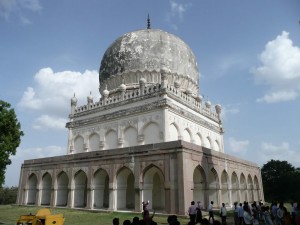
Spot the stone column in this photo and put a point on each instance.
(89, 199)
(112, 199)
(54, 197)
(71, 197)
(137, 200)
(38, 196)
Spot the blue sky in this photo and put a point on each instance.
(248, 54)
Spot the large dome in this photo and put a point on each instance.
(148, 50)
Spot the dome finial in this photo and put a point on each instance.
(148, 22)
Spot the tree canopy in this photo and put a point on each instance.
(10, 136)
(281, 181)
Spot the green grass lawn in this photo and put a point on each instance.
(9, 214)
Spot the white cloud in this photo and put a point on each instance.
(51, 93)
(238, 146)
(229, 110)
(25, 20)
(9, 7)
(279, 152)
(178, 9)
(280, 70)
(278, 97)
(50, 122)
(271, 149)
(32, 5)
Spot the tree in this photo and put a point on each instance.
(279, 179)
(8, 195)
(10, 136)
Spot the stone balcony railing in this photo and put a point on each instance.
(121, 95)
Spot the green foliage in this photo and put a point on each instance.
(10, 136)
(280, 181)
(8, 195)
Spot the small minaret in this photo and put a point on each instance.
(90, 100)
(148, 22)
(73, 104)
(105, 95)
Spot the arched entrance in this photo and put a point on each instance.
(199, 185)
(213, 187)
(62, 189)
(101, 191)
(153, 188)
(225, 188)
(125, 189)
(80, 190)
(234, 188)
(46, 189)
(243, 186)
(32, 189)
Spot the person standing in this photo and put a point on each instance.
(235, 210)
(241, 214)
(248, 218)
(223, 213)
(210, 211)
(199, 212)
(192, 211)
(279, 214)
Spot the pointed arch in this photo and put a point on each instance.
(153, 187)
(111, 138)
(125, 189)
(62, 189)
(173, 132)
(243, 187)
(151, 133)
(198, 139)
(46, 189)
(80, 189)
(256, 188)
(101, 189)
(32, 189)
(186, 135)
(213, 185)
(225, 187)
(208, 142)
(250, 188)
(79, 144)
(94, 142)
(234, 187)
(199, 179)
(130, 136)
(217, 146)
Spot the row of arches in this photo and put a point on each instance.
(125, 190)
(151, 133)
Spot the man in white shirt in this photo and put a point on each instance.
(210, 211)
(192, 212)
(223, 213)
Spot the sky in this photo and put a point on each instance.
(248, 53)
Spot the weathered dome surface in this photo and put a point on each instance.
(151, 50)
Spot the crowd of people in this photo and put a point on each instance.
(247, 214)
(257, 213)
(243, 214)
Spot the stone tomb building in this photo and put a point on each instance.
(149, 137)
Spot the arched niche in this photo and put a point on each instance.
(101, 189)
(153, 188)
